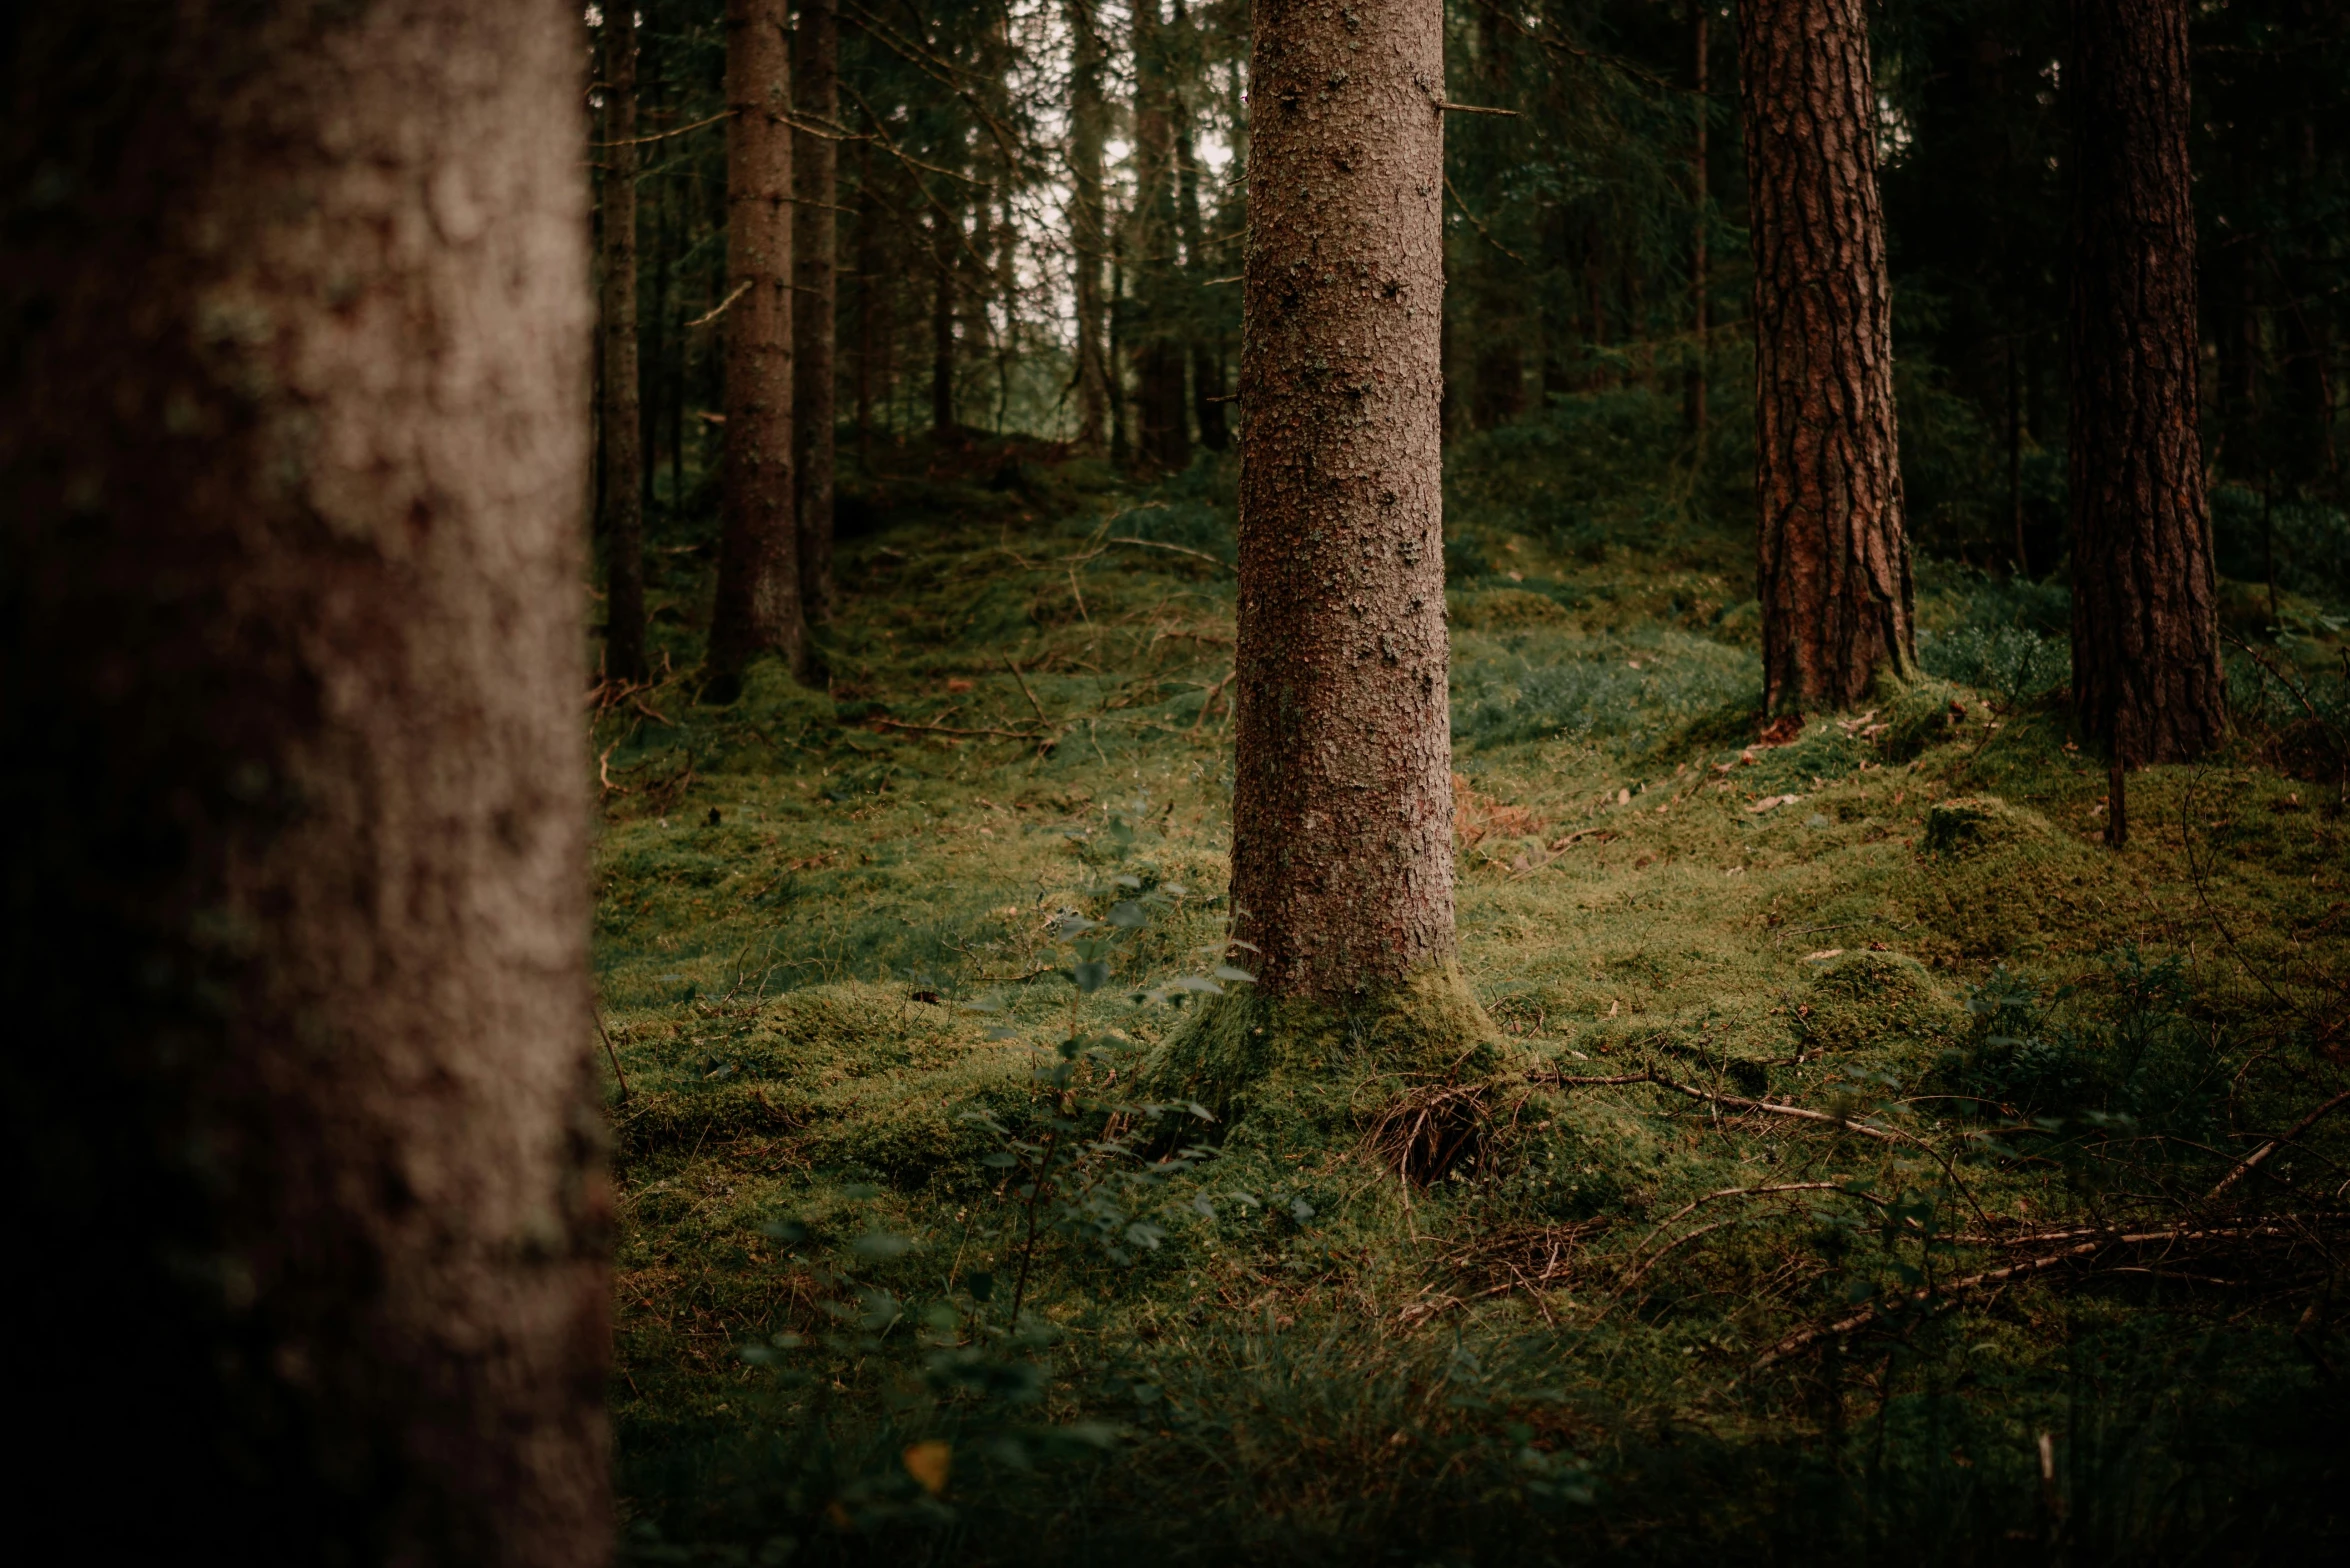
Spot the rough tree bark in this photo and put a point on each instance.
(1089, 113)
(620, 445)
(758, 601)
(2146, 671)
(302, 1121)
(815, 171)
(1833, 549)
(1162, 423)
(1342, 802)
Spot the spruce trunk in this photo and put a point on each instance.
(815, 171)
(1834, 575)
(2146, 670)
(621, 443)
(758, 603)
(1342, 870)
(302, 1119)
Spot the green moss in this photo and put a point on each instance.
(1917, 714)
(1972, 824)
(1328, 1064)
(1867, 1001)
(812, 997)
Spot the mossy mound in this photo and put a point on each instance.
(851, 1074)
(1970, 824)
(2003, 880)
(1917, 714)
(1262, 1063)
(1870, 1001)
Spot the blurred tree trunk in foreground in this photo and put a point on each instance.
(1835, 575)
(2146, 671)
(302, 1117)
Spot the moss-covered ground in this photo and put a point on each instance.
(882, 965)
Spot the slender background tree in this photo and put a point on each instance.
(1835, 570)
(758, 608)
(620, 439)
(815, 299)
(2146, 670)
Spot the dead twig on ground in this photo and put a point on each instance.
(2028, 1267)
(2252, 1161)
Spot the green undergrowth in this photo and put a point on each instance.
(922, 989)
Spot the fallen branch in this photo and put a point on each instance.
(1732, 1101)
(1727, 1192)
(2251, 1162)
(2030, 1266)
(949, 729)
(1153, 544)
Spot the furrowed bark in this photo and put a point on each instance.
(2146, 669)
(1834, 575)
(620, 446)
(758, 601)
(1342, 868)
(815, 170)
(302, 1117)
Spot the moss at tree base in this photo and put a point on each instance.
(1286, 1069)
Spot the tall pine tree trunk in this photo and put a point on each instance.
(815, 170)
(1342, 800)
(1089, 114)
(1834, 555)
(2146, 671)
(621, 443)
(758, 603)
(301, 1122)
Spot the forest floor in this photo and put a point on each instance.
(1920, 1222)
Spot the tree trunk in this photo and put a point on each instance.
(302, 1121)
(946, 229)
(758, 603)
(1163, 425)
(1207, 365)
(1342, 804)
(1089, 113)
(1694, 390)
(1121, 312)
(2146, 671)
(621, 441)
(868, 243)
(1835, 576)
(814, 304)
